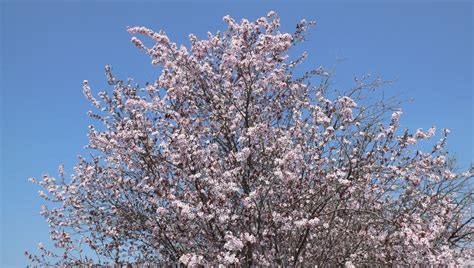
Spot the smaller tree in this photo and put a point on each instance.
(230, 157)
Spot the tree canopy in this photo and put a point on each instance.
(233, 156)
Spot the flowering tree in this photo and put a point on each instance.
(232, 157)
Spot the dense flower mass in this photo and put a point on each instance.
(232, 156)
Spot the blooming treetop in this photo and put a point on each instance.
(231, 157)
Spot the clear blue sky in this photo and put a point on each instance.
(49, 49)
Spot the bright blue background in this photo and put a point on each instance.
(49, 49)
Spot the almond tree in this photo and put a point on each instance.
(234, 157)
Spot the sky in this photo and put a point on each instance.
(48, 49)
